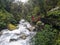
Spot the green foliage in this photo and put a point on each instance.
(51, 4)
(28, 18)
(56, 13)
(46, 36)
(4, 3)
(36, 10)
(5, 18)
(54, 16)
(58, 3)
(58, 39)
(12, 13)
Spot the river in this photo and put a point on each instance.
(19, 36)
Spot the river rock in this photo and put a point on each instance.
(31, 28)
(23, 36)
(13, 40)
(0, 33)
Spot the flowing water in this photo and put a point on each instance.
(19, 36)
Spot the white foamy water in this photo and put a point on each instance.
(15, 37)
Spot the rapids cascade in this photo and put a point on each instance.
(19, 36)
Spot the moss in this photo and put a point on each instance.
(11, 27)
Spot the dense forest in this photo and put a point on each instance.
(43, 14)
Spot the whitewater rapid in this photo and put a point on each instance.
(15, 37)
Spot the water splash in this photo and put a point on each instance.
(15, 37)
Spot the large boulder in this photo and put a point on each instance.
(11, 27)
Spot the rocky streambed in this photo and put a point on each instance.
(20, 36)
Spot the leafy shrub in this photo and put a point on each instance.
(46, 36)
(5, 17)
(55, 17)
(56, 13)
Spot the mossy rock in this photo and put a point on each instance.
(39, 23)
(11, 27)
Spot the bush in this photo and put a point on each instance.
(5, 17)
(54, 17)
(46, 36)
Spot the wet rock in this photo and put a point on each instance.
(31, 28)
(42, 23)
(23, 36)
(0, 33)
(13, 40)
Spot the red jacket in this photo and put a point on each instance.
(37, 19)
